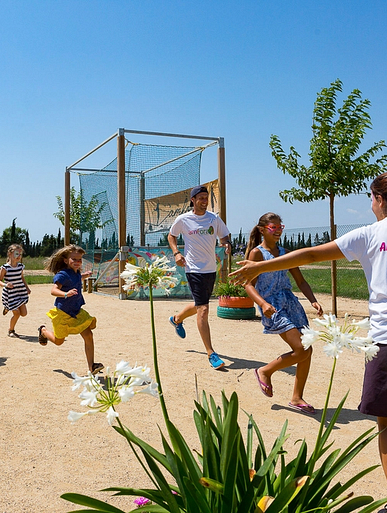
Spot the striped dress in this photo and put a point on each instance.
(18, 295)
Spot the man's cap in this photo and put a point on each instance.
(196, 190)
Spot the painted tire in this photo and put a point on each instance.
(235, 302)
(235, 313)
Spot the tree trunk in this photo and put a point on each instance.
(333, 263)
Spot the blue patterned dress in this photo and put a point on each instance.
(276, 289)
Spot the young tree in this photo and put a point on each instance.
(336, 166)
(85, 216)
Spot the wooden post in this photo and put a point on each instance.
(222, 199)
(142, 210)
(67, 209)
(121, 205)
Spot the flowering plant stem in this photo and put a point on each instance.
(155, 358)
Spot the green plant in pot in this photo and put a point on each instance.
(234, 302)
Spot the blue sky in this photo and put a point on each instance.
(73, 72)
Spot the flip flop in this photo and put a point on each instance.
(42, 339)
(303, 408)
(267, 390)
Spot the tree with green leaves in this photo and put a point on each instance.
(85, 216)
(337, 168)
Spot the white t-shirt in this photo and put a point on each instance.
(368, 244)
(200, 234)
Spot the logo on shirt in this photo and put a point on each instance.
(383, 247)
(208, 231)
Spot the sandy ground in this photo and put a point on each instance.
(44, 456)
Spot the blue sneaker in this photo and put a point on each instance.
(178, 327)
(215, 361)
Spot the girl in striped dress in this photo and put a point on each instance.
(15, 289)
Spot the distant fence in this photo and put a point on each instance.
(351, 281)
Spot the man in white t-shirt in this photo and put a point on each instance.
(200, 229)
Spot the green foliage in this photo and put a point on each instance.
(336, 168)
(85, 217)
(228, 288)
(227, 477)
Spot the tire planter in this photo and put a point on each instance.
(235, 302)
(236, 313)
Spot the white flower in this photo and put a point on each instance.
(328, 320)
(81, 380)
(370, 351)
(120, 386)
(126, 393)
(73, 416)
(123, 367)
(151, 389)
(111, 415)
(89, 398)
(364, 324)
(332, 350)
(309, 336)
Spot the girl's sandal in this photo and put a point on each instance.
(42, 339)
(97, 367)
(13, 334)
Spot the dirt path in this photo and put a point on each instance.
(44, 456)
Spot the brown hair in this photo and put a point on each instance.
(255, 236)
(379, 186)
(56, 263)
(12, 248)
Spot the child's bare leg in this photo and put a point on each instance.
(298, 356)
(187, 311)
(23, 310)
(15, 317)
(51, 337)
(87, 336)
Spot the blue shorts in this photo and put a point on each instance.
(201, 287)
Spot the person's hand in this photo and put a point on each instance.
(180, 260)
(318, 307)
(72, 292)
(86, 274)
(268, 310)
(9, 285)
(248, 272)
(228, 247)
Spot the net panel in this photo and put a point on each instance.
(150, 171)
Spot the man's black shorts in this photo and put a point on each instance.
(201, 286)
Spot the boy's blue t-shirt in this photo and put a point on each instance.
(69, 279)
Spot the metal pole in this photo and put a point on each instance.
(67, 208)
(121, 206)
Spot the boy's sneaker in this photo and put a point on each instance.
(178, 327)
(215, 361)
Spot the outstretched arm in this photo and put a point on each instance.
(250, 270)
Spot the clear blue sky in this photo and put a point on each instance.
(73, 72)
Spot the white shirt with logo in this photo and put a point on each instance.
(368, 244)
(200, 234)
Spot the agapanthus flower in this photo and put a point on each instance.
(123, 384)
(309, 336)
(156, 274)
(337, 337)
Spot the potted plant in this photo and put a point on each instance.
(234, 302)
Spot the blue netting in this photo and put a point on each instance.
(156, 170)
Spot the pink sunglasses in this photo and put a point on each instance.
(275, 227)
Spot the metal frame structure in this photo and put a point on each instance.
(120, 135)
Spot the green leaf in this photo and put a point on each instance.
(84, 500)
